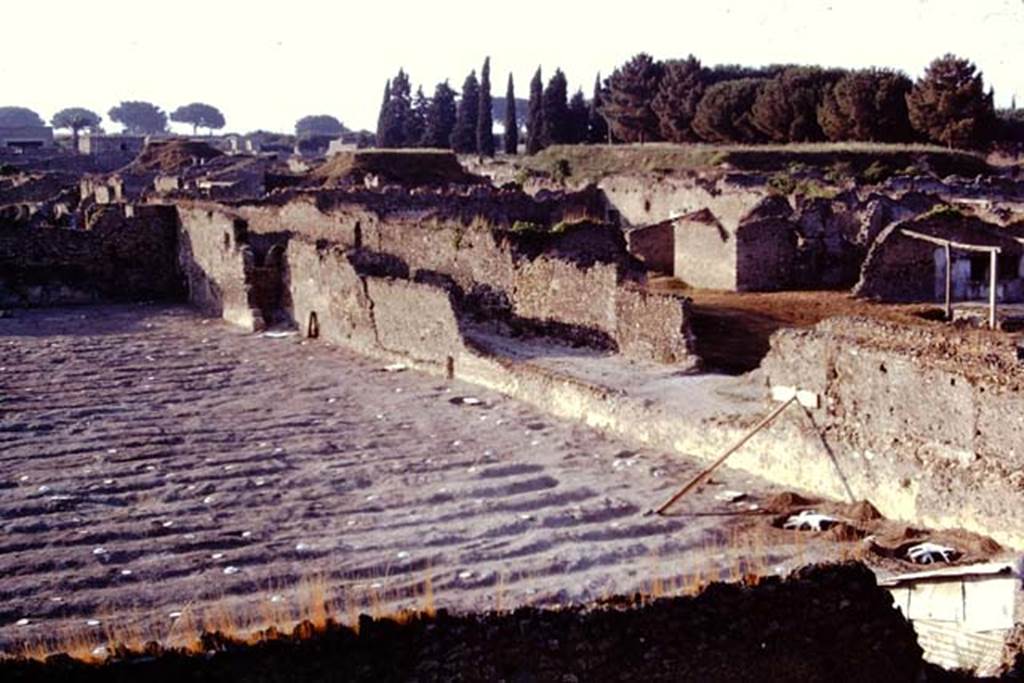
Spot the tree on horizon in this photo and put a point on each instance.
(440, 119)
(535, 115)
(723, 115)
(578, 116)
(786, 108)
(949, 104)
(139, 118)
(597, 127)
(16, 117)
(318, 124)
(464, 133)
(485, 120)
(631, 91)
(867, 104)
(383, 108)
(511, 121)
(396, 125)
(75, 119)
(679, 92)
(555, 128)
(199, 115)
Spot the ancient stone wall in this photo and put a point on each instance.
(219, 265)
(647, 199)
(121, 259)
(654, 245)
(903, 268)
(705, 252)
(955, 459)
(571, 280)
(326, 295)
(766, 254)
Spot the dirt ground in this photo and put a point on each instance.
(158, 467)
(733, 328)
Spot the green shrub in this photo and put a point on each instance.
(560, 170)
(875, 173)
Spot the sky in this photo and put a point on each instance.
(266, 64)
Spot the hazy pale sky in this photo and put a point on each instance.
(265, 64)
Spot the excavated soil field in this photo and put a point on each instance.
(164, 474)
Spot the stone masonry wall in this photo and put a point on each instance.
(368, 313)
(574, 278)
(654, 245)
(956, 459)
(121, 259)
(218, 265)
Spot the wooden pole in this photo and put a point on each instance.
(993, 262)
(949, 282)
(696, 481)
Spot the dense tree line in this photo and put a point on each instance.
(464, 121)
(683, 101)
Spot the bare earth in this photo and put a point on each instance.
(154, 462)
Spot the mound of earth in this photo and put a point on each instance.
(404, 167)
(171, 156)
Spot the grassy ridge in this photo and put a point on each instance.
(593, 162)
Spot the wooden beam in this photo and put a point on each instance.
(955, 245)
(992, 281)
(705, 473)
(949, 282)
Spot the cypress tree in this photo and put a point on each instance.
(485, 114)
(579, 114)
(383, 108)
(440, 120)
(555, 129)
(396, 122)
(464, 133)
(535, 115)
(511, 123)
(597, 127)
(417, 123)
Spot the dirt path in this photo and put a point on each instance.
(154, 462)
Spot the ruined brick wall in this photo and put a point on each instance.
(368, 313)
(902, 268)
(323, 281)
(705, 252)
(955, 459)
(570, 280)
(765, 255)
(651, 198)
(654, 245)
(653, 327)
(218, 265)
(414, 319)
(123, 259)
(551, 289)
(898, 268)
